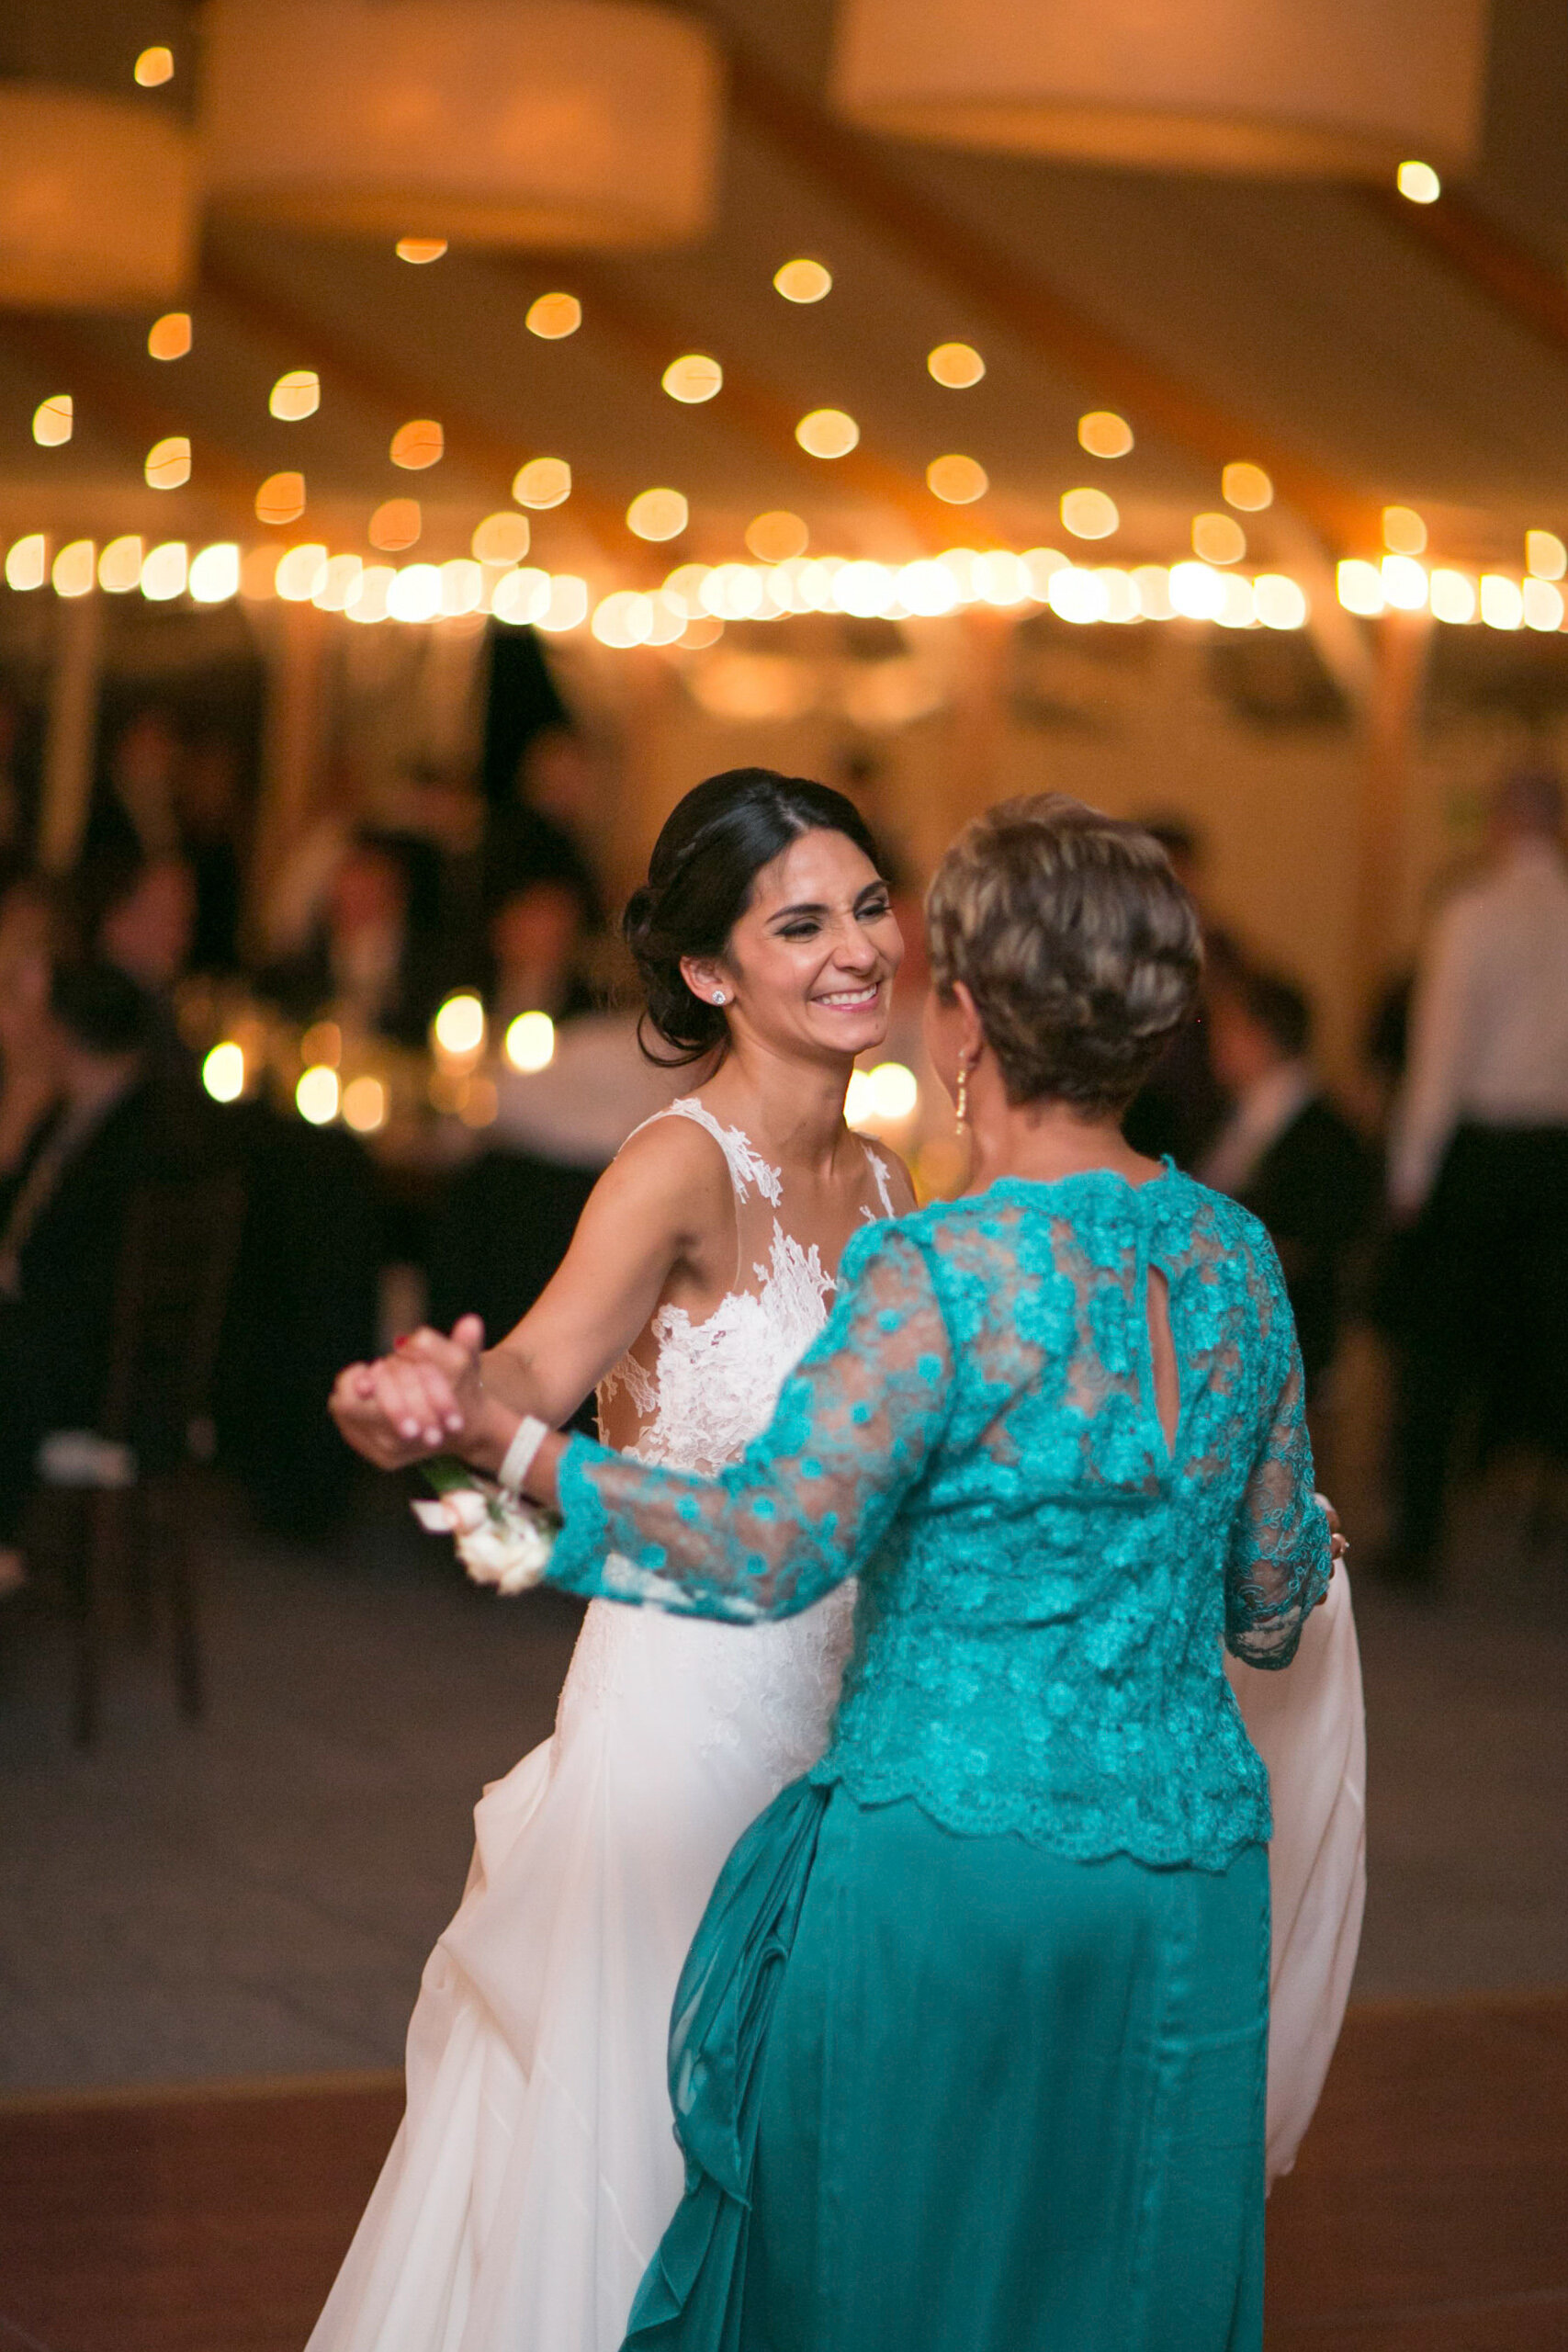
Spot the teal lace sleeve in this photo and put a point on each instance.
(811, 1499)
(1279, 1558)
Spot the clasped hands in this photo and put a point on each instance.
(428, 1396)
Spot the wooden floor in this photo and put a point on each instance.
(1428, 2213)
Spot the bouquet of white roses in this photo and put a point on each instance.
(502, 1539)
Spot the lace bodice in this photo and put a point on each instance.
(1043, 1579)
(713, 1385)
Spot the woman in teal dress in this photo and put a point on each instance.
(969, 2052)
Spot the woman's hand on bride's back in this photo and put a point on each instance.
(426, 1398)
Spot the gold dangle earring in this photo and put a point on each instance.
(962, 1102)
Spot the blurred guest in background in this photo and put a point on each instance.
(63, 1219)
(1286, 1153)
(545, 827)
(369, 963)
(536, 935)
(29, 1079)
(138, 913)
(1182, 1106)
(209, 818)
(19, 779)
(1479, 1165)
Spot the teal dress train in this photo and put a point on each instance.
(969, 2052)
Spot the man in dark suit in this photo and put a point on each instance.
(1286, 1153)
(63, 1214)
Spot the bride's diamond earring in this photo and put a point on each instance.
(719, 996)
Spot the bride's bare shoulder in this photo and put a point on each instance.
(673, 1165)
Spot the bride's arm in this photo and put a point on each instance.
(663, 1204)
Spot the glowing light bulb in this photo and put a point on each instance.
(119, 566)
(956, 365)
(803, 282)
(1501, 604)
(418, 444)
(459, 1029)
(957, 480)
(1418, 182)
(1404, 532)
(170, 336)
(295, 395)
(164, 572)
(27, 564)
(827, 433)
(223, 1071)
(1077, 595)
(168, 463)
(74, 570)
(281, 499)
(926, 588)
(657, 514)
(1546, 557)
(554, 316)
(316, 1096)
(543, 482)
(692, 379)
(414, 593)
(1452, 598)
(1404, 583)
(1246, 487)
(776, 536)
(365, 1105)
(154, 66)
(300, 572)
(1542, 605)
(1360, 587)
(531, 1042)
(1088, 514)
(1281, 602)
(501, 538)
(1104, 434)
(1218, 538)
(215, 572)
(396, 524)
(1197, 592)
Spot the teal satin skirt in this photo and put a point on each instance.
(945, 2094)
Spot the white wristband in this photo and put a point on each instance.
(518, 1459)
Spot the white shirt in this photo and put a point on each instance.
(1258, 1120)
(1489, 1024)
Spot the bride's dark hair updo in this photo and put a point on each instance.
(713, 845)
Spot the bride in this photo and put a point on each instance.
(535, 2167)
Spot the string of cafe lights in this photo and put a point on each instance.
(694, 603)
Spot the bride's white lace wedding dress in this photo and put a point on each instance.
(536, 2168)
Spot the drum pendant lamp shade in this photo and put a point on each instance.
(96, 200)
(497, 122)
(1267, 87)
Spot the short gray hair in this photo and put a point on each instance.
(1079, 946)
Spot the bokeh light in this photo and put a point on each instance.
(1542, 605)
(1197, 592)
(1452, 598)
(803, 282)
(27, 561)
(623, 619)
(54, 420)
(416, 593)
(1218, 538)
(300, 572)
(692, 379)
(168, 463)
(1246, 486)
(1546, 557)
(119, 566)
(365, 1105)
(154, 66)
(223, 1071)
(566, 606)
(164, 572)
(395, 524)
(418, 444)
(1281, 602)
(501, 538)
(215, 572)
(827, 433)
(170, 336)
(316, 1096)
(1360, 587)
(543, 482)
(281, 499)
(776, 536)
(657, 514)
(1501, 604)
(1088, 514)
(554, 316)
(459, 1028)
(956, 479)
(420, 251)
(295, 395)
(531, 1042)
(955, 365)
(521, 596)
(1419, 182)
(1404, 532)
(1104, 434)
(1404, 583)
(1077, 595)
(74, 570)
(339, 584)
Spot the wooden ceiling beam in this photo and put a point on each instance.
(851, 166)
(1490, 259)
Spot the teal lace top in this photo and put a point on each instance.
(1045, 1582)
